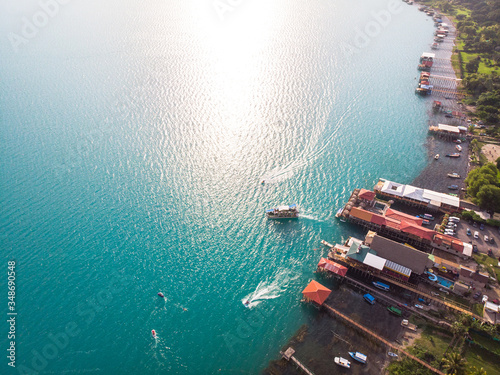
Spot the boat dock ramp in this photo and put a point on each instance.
(289, 355)
(384, 341)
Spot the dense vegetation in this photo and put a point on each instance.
(484, 187)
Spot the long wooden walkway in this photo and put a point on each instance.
(373, 334)
(289, 355)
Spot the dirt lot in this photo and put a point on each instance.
(492, 152)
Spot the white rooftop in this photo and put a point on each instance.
(449, 128)
(374, 261)
(423, 195)
(467, 249)
(428, 54)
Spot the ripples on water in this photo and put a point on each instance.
(135, 140)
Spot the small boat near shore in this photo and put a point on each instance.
(436, 157)
(283, 212)
(380, 285)
(454, 175)
(455, 155)
(453, 187)
(342, 362)
(391, 354)
(153, 333)
(394, 310)
(459, 148)
(360, 357)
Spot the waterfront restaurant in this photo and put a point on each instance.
(363, 257)
(417, 197)
(399, 253)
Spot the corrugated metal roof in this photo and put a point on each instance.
(361, 214)
(399, 253)
(402, 216)
(398, 268)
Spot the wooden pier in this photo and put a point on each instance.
(373, 334)
(288, 355)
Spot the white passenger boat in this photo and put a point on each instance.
(342, 362)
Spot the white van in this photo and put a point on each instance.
(454, 219)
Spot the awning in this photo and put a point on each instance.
(327, 264)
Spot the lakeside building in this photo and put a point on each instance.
(449, 131)
(379, 256)
(417, 197)
(405, 255)
(359, 255)
(377, 216)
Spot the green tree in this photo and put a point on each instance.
(488, 197)
(472, 66)
(454, 364)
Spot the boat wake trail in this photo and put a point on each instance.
(269, 289)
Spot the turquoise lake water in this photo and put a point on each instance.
(134, 137)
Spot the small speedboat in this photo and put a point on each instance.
(454, 155)
(436, 156)
(160, 294)
(360, 357)
(453, 187)
(459, 148)
(153, 333)
(454, 175)
(342, 362)
(391, 354)
(246, 303)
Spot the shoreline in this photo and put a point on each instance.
(315, 342)
(434, 175)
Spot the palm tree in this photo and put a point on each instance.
(454, 364)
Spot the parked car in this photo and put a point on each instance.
(486, 238)
(492, 240)
(481, 227)
(469, 233)
(490, 253)
(477, 295)
(426, 222)
(474, 249)
(485, 298)
(454, 219)
(476, 234)
(474, 224)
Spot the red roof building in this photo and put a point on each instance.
(366, 194)
(316, 292)
(331, 266)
